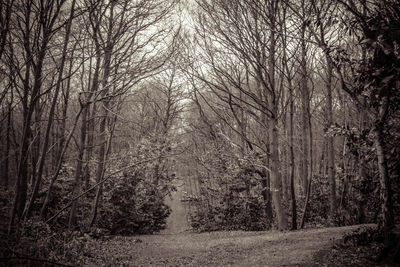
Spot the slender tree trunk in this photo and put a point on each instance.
(307, 200)
(344, 159)
(275, 174)
(267, 196)
(305, 111)
(5, 23)
(91, 118)
(331, 149)
(345, 185)
(276, 177)
(21, 185)
(386, 220)
(66, 93)
(362, 166)
(78, 171)
(36, 142)
(265, 180)
(101, 159)
(322, 160)
(5, 170)
(285, 160)
(361, 158)
(292, 163)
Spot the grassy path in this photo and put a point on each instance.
(272, 248)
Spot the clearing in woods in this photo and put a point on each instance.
(177, 247)
(230, 248)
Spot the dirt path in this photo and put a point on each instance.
(295, 248)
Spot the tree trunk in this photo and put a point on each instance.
(276, 177)
(305, 111)
(285, 160)
(66, 93)
(331, 149)
(21, 185)
(275, 174)
(5, 23)
(105, 144)
(36, 142)
(292, 163)
(303, 217)
(5, 169)
(78, 171)
(101, 158)
(386, 220)
(265, 182)
(362, 166)
(91, 118)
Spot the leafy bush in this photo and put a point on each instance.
(362, 236)
(134, 199)
(234, 201)
(135, 212)
(37, 243)
(318, 209)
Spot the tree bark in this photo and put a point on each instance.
(305, 104)
(331, 149)
(5, 169)
(386, 220)
(275, 174)
(78, 171)
(91, 119)
(292, 163)
(101, 159)
(276, 177)
(5, 23)
(362, 165)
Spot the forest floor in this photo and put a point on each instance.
(309, 247)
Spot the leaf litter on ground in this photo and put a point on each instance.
(221, 248)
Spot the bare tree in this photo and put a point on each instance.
(50, 119)
(246, 32)
(121, 31)
(36, 25)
